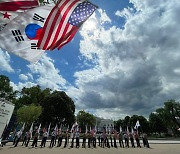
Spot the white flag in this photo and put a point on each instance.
(132, 130)
(137, 125)
(55, 128)
(120, 129)
(127, 130)
(31, 128)
(39, 128)
(22, 129)
(49, 128)
(86, 129)
(20, 36)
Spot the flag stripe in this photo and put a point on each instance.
(66, 10)
(63, 26)
(18, 5)
(50, 24)
(68, 39)
(64, 40)
(63, 22)
(56, 21)
(53, 45)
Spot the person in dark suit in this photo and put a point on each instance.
(35, 140)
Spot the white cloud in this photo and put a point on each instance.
(127, 13)
(23, 77)
(136, 68)
(19, 86)
(42, 73)
(104, 18)
(48, 75)
(5, 62)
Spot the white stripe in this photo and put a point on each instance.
(49, 25)
(66, 20)
(57, 23)
(55, 45)
(64, 24)
(69, 28)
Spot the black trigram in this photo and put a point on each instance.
(34, 46)
(38, 17)
(17, 35)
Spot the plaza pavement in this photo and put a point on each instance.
(156, 147)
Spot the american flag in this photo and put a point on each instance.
(63, 22)
(17, 5)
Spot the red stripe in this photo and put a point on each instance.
(69, 39)
(63, 34)
(62, 21)
(60, 43)
(52, 24)
(45, 25)
(17, 5)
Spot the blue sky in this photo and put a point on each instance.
(123, 61)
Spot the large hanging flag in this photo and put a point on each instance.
(21, 35)
(63, 22)
(17, 5)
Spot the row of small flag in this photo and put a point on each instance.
(75, 128)
(28, 28)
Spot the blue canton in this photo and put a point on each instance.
(81, 13)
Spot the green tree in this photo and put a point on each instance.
(85, 118)
(6, 91)
(56, 107)
(33, 95)
(118, 123)
(28, 114)
(169, 114)
(156, 124)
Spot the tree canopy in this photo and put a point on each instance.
(85, 119)
(29, 114)
(56, 107)
(6, 91)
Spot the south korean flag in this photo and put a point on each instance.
(20, 35)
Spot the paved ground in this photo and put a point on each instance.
(164, 141)
(157, 148)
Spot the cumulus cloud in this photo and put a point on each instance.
(19, 86)
(43, 73)
(48, 75)
(5, 62)
(136, 68)
(23, 77)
